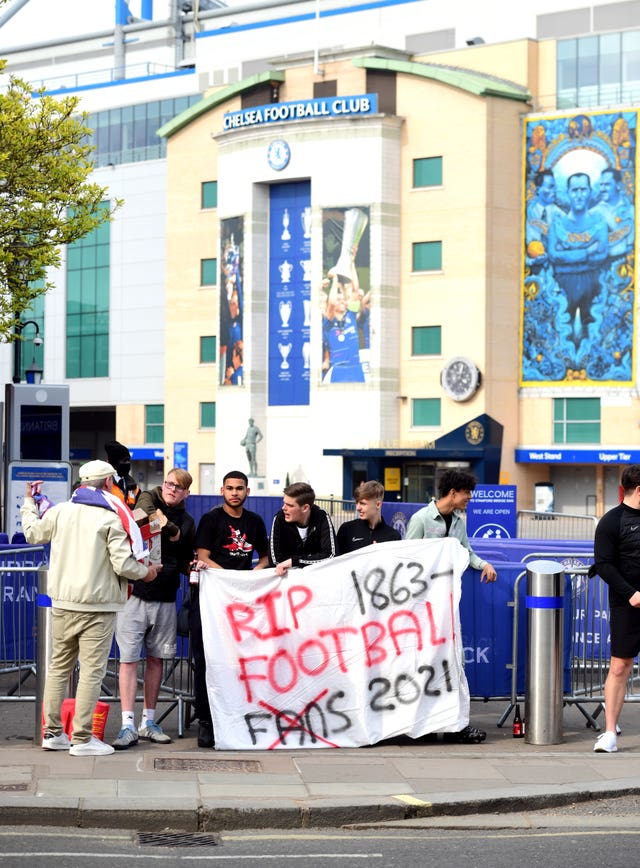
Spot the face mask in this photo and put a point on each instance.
(124, 468)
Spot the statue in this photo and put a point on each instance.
(250, 442)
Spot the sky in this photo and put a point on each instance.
(41, 20)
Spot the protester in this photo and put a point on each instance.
(301, 532)
(125, 487)
(370, 527)
(616, 558)
(95, 549)
(149, 618)
(227, 538)
(445, 517)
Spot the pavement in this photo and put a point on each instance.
(181, 787)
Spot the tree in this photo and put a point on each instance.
(46, 199)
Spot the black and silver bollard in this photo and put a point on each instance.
(545, 622)
(43, 649)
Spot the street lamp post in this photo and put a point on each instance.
(33, 372)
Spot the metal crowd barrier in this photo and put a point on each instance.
(19, 567)
(586, 651)
(555, 525)
(23, 615)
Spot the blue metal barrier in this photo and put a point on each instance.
(19, 599)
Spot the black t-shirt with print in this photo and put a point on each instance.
(232, 541)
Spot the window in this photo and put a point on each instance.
(427, 172)
(425, 411)
(208, 272)
(207, 350)
(427, 256)
(154, 423)
(426, 341)
(208, 414)
(598, 70)
(88, 280)
(129, 134)
(576, 420)
(209, 194)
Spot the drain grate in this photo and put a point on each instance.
(178, 764)
(13, 788)
(177, 839)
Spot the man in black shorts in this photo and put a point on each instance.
(226, 539)
(617, 562)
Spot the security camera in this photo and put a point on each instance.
(38, 341)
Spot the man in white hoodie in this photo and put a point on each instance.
(93, 539)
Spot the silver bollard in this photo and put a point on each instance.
(44, 641)
(545, 622)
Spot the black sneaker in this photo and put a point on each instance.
(205, 734)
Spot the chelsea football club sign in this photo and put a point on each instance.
(324, 107)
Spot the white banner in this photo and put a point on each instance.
(354, 650)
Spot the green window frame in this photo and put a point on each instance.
(209, 194)
(88, 303)
(207, 349)
(207, 414)
(427, 172)
(576, 420)
(427, 256)
(154, 423)
(208, 272)
(426, 341)
(426, 412)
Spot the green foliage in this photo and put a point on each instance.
(46, 199)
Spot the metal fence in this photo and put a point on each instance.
(23, 607)
(555, 525)
(586, 646)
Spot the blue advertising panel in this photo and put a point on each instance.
(346, 296)
(181, 456)
(492, 512)
(231, 328)
(289, 293)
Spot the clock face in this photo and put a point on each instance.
(460, 378)
(278, 154)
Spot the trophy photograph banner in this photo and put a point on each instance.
(231, 346)
(578, 289)
(289, 293)
(345, 295)
(348, 652)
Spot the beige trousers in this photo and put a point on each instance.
(84, 637)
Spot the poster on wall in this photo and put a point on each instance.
(289, 293)
(578, 288)
(231, 350)
(345, 296)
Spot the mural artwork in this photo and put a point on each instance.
(579, 241)
(231, 301)
(345, 296)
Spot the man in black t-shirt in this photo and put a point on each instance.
(369, 527)
(617, 562)
(226, 539)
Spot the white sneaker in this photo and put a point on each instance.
(606, 742)
(55, 742)
(93, 747)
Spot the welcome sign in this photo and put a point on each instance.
(351, 651)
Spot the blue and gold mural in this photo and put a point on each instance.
(579, 241)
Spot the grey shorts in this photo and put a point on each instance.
(143, 622)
